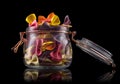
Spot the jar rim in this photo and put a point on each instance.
(46, 31)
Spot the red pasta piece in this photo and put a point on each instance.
(38, 50)
(34, 24)
(56, 54)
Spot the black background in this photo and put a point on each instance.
(97, 21)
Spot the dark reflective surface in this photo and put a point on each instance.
(38, 75)
(82, 70)
(107, 77)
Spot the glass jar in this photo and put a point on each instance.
(47, 44)
(47, 47)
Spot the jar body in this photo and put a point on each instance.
(48, 48)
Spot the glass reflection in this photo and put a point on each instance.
(33, 75)
(107, 77)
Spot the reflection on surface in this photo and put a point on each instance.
(63, 75)
(107, 77)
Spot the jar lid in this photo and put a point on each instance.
(95, 51)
